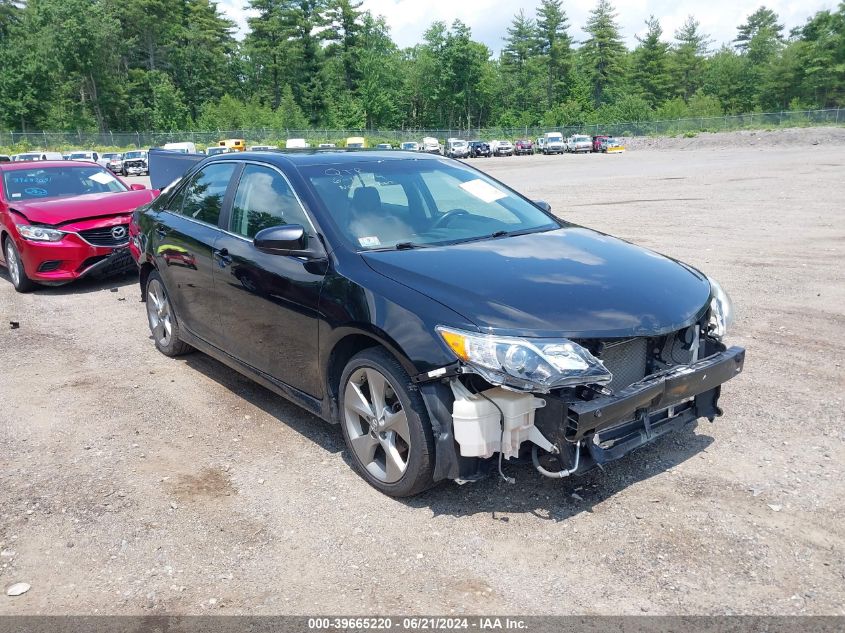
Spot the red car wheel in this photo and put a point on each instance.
(14, 264)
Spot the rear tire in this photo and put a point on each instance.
(162, 319)
(385, 425)
(14, 264)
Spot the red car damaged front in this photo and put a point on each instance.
(61, 221)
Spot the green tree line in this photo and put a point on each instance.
(100, 65)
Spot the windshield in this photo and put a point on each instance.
(581, 139)
(408, 145)
(134, 155)
(27, 157)
(58, 182)
(459, 144)
(377, 205)
(554, 139)
(80, 155)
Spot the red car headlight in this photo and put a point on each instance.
(39, 233)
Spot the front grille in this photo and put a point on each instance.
(626, 360)
(103, 236)
(133, 163)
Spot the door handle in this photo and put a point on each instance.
(223, 257)
(161, 230)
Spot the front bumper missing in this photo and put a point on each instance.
(119, 261)
(654, 394)
(608, 427)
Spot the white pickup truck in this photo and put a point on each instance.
(579, 144)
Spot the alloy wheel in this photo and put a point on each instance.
(12, 263)
(377, 425)
(159, 313)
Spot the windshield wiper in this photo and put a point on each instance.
(406, 246)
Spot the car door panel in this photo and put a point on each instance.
(183, 252)
(268, 311)
(268, 303)
(184, 235)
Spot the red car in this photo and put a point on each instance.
(62, 220)
(597, 141)
(523, 147)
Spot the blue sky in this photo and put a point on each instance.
(489, 18)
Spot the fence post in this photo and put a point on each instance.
(837, 114)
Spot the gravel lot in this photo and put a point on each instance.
(132, 483)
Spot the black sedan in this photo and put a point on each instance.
(443, 320)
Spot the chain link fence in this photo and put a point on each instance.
(67, 140)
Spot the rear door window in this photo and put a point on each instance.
(264, 199)
(202, 199)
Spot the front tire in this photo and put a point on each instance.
(385, 425)
(14, 264)
(162, 319)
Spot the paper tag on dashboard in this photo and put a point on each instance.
(102, 178)
(369, 242)
(482, 190)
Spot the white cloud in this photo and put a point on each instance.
(489, 19)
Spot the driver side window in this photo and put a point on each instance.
(264, 199)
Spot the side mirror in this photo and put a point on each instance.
(288, 239)
(545, 206)
(137, 186)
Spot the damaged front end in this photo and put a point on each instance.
(631, 392)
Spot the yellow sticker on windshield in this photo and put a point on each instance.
(482, 190)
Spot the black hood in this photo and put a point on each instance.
(571, 282)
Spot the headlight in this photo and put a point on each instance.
(39, 233)
(721, 311)
(526, 364)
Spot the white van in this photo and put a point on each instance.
(296, 143)
(185, 148)
(553, 143)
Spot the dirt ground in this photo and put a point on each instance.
(131, 483)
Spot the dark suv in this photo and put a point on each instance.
(444, 321)
(479, 148)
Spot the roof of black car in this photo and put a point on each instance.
(309, 158)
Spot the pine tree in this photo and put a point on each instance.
(687, 58)
(266, 47)
(603, 52)
(521, 46)
(763, 22)
(651, 65)
(555, 44)
(344, 27)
